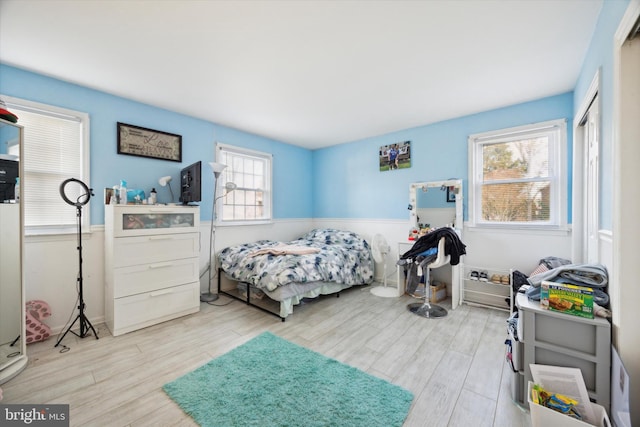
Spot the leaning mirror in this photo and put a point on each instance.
(13, 358)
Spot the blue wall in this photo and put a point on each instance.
(8, 134)
(343, 181)
(348, 183)
(292, 166)
(600, 57)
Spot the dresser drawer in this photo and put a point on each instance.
(137, 279)
(151, 249)
(140, 220)
(138, 311)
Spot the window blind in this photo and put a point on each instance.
(52, 154)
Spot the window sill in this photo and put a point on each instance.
(548, 230)
(242, 223)
(51, 234)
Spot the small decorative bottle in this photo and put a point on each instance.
(153, 197)
(115, 199)
(123, 192)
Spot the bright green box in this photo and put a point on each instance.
(565, 298)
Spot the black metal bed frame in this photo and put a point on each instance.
(248, 298)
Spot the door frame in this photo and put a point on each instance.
(626, 207)
(580, 166)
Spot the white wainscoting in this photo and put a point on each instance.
(394, 231)
(518, 249)
(51, 262)
(51, 265)
(225, 236)
(51, 271)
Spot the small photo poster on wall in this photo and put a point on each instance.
(395, 156)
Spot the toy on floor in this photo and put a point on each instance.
(36, 329)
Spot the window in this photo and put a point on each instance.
(517, 176)
(56, 147)
(251, 172)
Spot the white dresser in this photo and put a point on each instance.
(151, 264)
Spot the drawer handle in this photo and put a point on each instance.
(160, 238)
(159, 293)
(160, 265)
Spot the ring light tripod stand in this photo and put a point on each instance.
(82, 200)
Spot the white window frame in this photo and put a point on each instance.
(18, 104)
(227, 175)
(557, 132)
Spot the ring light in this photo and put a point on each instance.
(88, 192)
(83, 199)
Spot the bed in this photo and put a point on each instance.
(275, 276)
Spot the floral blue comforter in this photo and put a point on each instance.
(343, 257)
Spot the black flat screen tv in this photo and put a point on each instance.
(191, 184)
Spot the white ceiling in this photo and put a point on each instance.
(309, 73)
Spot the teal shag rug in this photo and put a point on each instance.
(269, 381)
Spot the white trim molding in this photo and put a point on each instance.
(578, 253)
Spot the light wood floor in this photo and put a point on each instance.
(454, 366)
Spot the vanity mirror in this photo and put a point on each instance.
(13, 354)
(436, 204)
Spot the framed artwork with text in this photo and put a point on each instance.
(143, 142)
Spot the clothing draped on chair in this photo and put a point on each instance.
(453, 245)
(424, 252)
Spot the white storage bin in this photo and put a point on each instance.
(545, 417)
